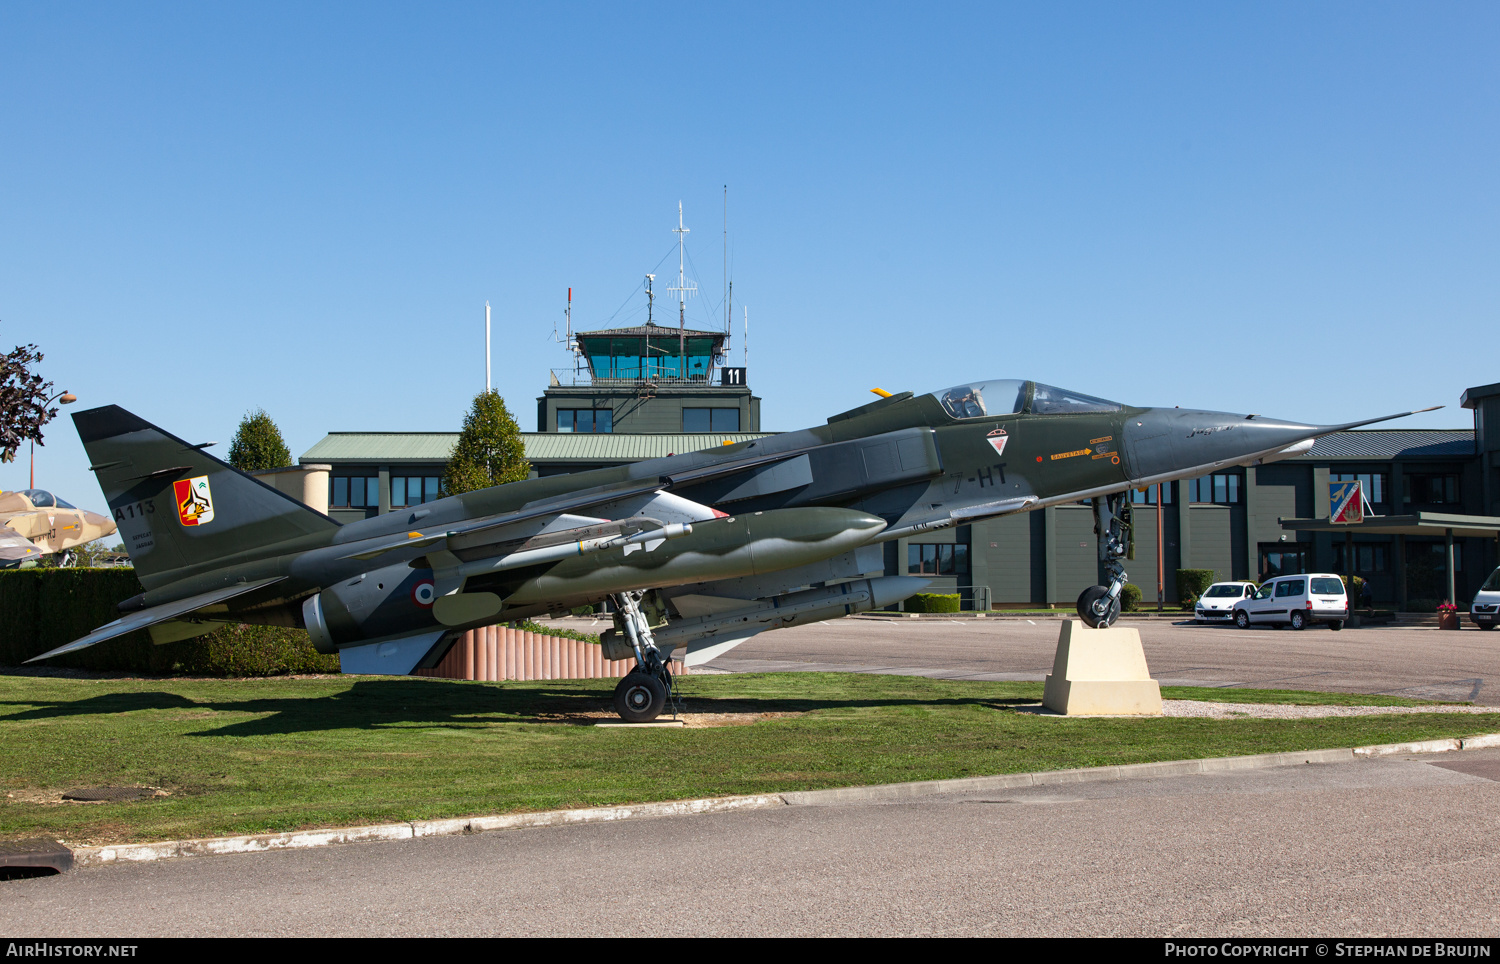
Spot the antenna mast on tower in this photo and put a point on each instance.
(683, 289)
(728, 315)
(486, 347)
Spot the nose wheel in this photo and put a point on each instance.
(1096, 608)
(1099, 606)
(643, 694)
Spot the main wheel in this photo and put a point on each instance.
(1336, 625)
(1242, 619)
(639, 697)
(1298, 619)
(1486, 625)
(1086, 603)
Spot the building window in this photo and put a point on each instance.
(589, 420)
(1374, 483)
(1280, 559)
(1148, 495)
(1222, 488)
(1367, 558)
(415, 489)
(1431, 489)
(937, 560)
(354, 492)
(1440, 556)
(710, 420)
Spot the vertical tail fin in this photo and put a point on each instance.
(180, 510)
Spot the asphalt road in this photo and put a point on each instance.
(1390, 847)
(1417, 662)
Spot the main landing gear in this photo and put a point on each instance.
(642, 695)
(1099, 606)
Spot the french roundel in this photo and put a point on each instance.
(423, 593)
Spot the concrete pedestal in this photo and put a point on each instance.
(1100, 672)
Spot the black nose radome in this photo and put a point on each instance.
(1175, 441)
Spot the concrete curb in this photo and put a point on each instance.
(884, 793)
(892, 792)
(304, 839)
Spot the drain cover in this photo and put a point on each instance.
(37, 853)
(111, 794)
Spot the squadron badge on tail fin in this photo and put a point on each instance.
(195, 501)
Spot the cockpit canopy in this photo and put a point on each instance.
(1009, 396)
(42, 499)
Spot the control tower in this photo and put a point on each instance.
(649, 379)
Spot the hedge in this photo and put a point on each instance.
(41, 609)
(1130, 598)
(1191, 583)
(932, 602)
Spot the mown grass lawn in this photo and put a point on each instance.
(251, 756)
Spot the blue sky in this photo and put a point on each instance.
(1279, 208)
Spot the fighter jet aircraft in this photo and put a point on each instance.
(46, 525)
(697, 552)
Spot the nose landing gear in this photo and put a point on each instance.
(1099, 606)
(642, 695)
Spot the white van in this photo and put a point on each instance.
(1484, 612)
(1298, 601)
(1217, 602)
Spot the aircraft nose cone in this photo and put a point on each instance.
(103, 523)
(1167, 441)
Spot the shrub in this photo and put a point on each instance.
(1130, 598)
(1191, 583)
(41, 609)
(932, 602)
(531, 626)
(1421, 605)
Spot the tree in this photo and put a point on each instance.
(23, 401)
(489, 450)
(258, 444)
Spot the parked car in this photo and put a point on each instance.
(1216, 605)
(1298, 601)
(1484, 612)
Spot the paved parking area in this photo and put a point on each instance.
(1417, 662)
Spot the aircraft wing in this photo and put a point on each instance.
(156, 614)
(15, 548)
